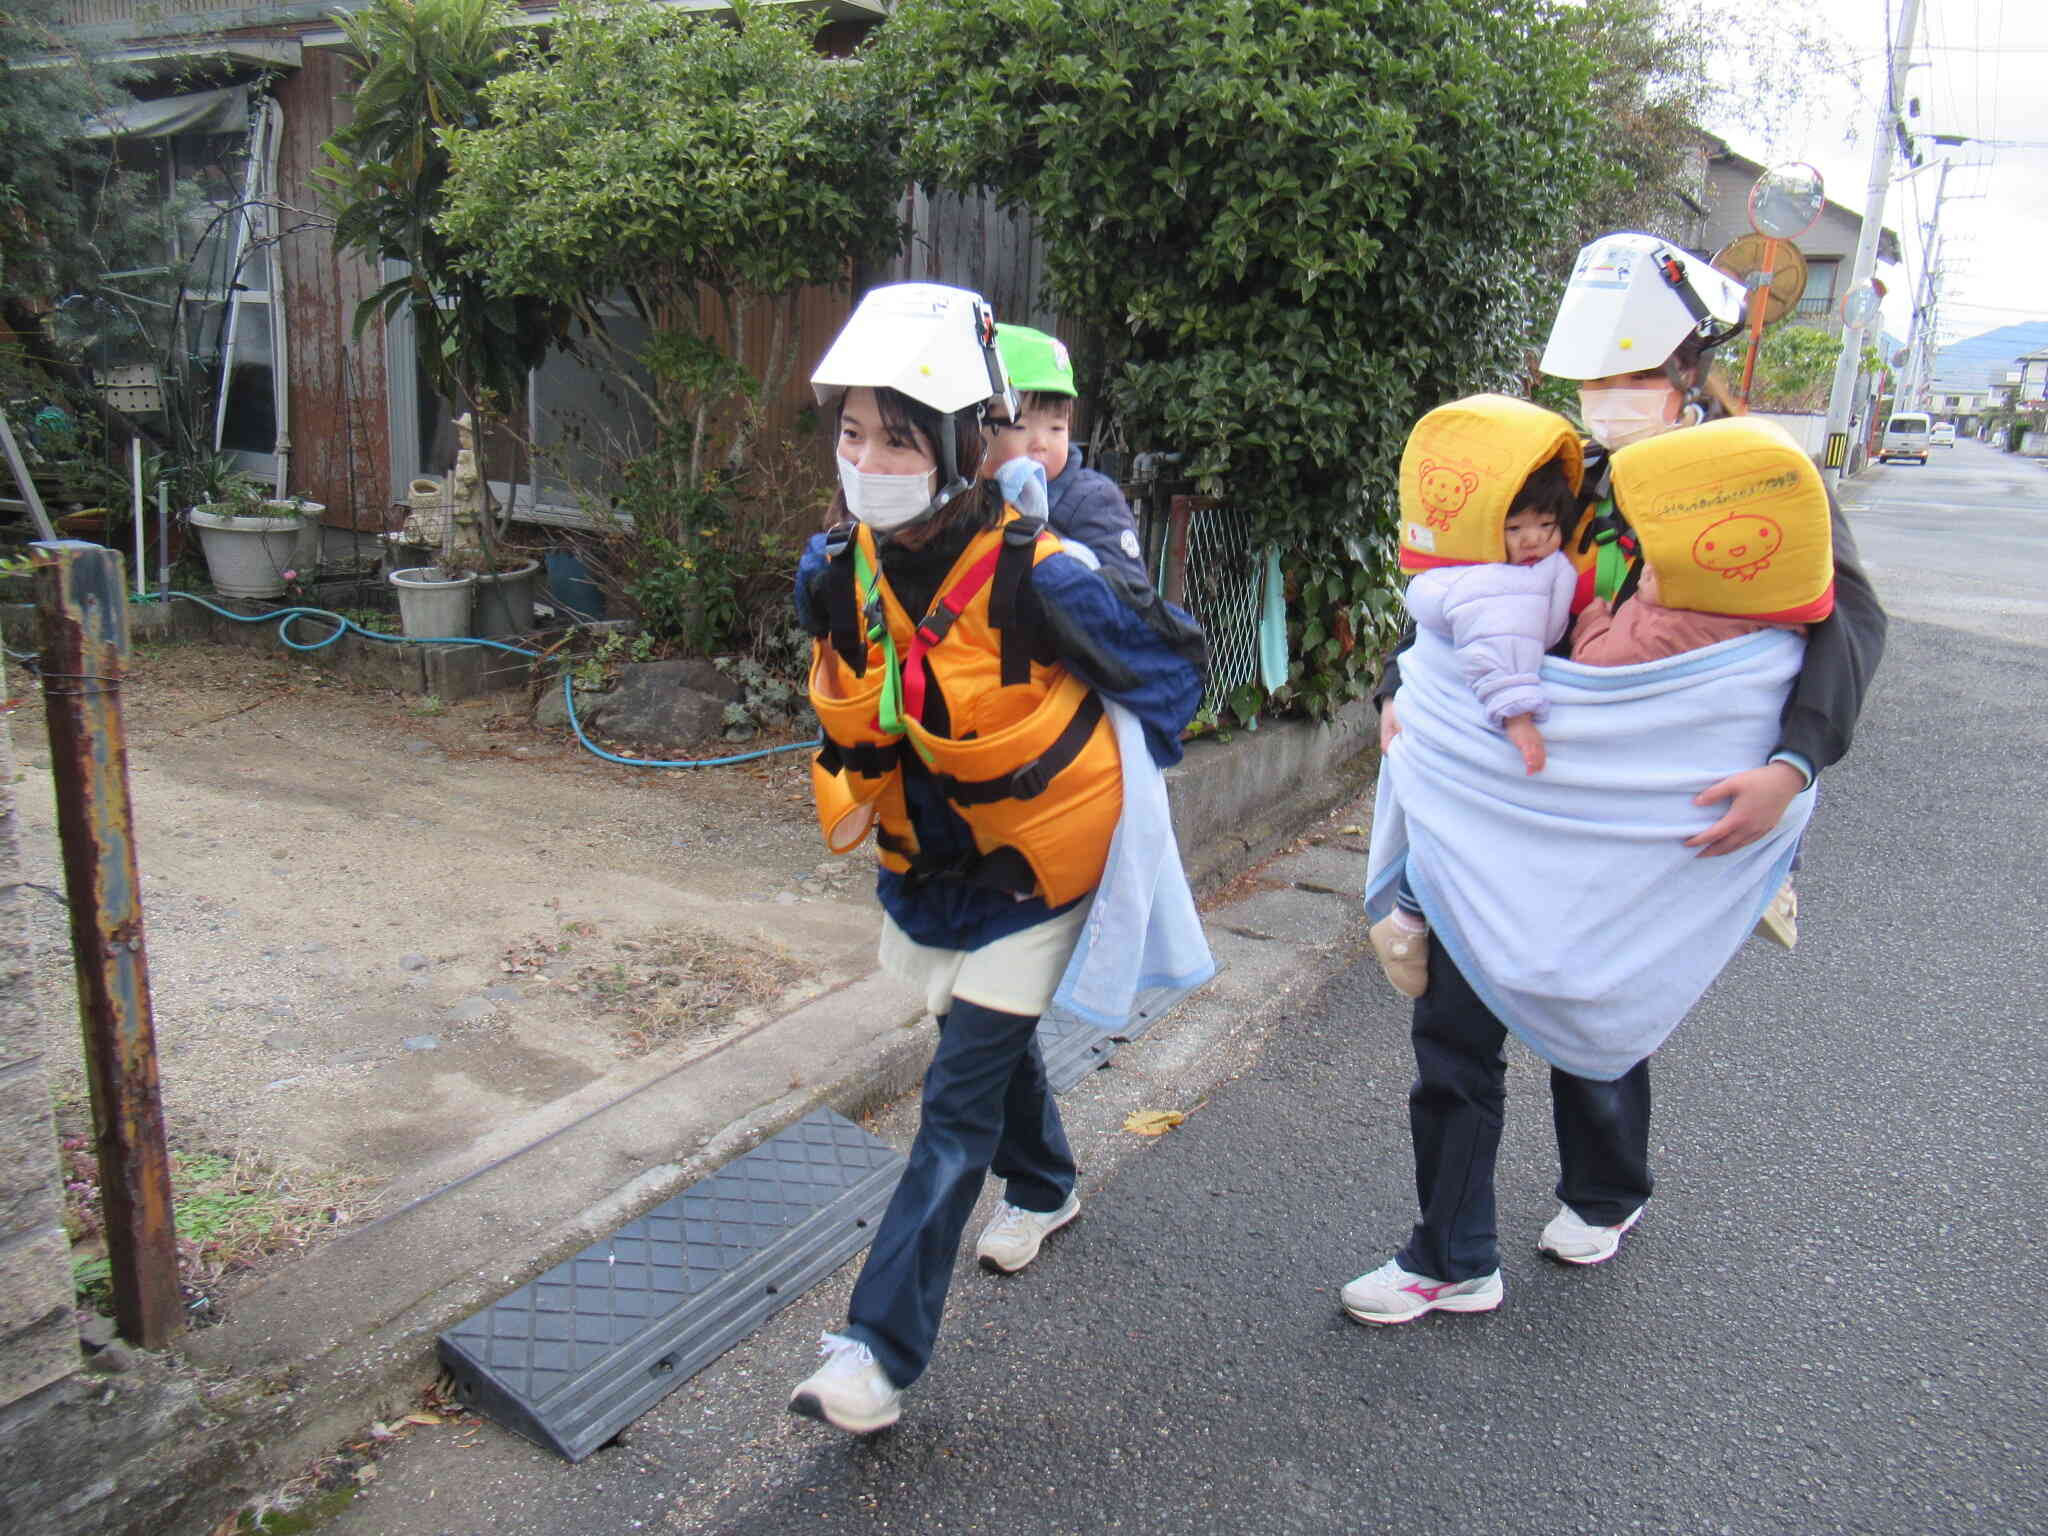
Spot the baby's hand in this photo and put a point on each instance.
(1521, 730)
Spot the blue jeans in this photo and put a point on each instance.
(1455, 1113)
(986, 1106)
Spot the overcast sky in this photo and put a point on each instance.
(1982, 71)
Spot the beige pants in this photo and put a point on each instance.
(1016, 974)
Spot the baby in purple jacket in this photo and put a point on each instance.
(1502, 618)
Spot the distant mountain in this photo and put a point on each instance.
(1985, 360)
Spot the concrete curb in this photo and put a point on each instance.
(347, 1334)
(1236, 801)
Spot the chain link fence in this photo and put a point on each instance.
(1203, 557)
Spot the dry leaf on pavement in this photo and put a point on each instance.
(1153, 1122)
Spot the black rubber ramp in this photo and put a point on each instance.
(1073, 1048)
(571, 1358)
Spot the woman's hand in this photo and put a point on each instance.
(1389, 726)
(1756, 798)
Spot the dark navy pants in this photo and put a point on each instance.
(986, 1106)
(1455, 1113)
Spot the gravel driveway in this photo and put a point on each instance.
(401, 939)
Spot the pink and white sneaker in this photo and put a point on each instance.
(1391, 1294)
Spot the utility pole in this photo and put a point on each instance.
(1921, 354)
(1836, 455)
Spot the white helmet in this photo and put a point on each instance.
(1631, 300)
(935, 344)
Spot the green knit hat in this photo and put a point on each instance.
(1037, 363)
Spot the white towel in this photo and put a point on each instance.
(1142, 932)
(1568, 898)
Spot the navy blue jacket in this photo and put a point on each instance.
(1085, 505)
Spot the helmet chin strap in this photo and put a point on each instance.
(952, 484)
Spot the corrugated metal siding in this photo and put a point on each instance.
(813, 318)
(339, 420)
(971, 243)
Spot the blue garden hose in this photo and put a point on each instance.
(287, 617)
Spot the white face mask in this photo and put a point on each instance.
(884, 502)
(1618, 417)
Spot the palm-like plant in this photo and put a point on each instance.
(421, 67)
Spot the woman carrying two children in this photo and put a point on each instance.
(1539, 862)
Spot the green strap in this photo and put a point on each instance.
(889, 713)
(1610, 562)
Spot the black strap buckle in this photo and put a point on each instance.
(1031, 780)
(936, 624)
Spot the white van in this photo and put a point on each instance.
(1906, 436)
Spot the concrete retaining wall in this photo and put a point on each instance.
(1235, 801)
(38, 1342)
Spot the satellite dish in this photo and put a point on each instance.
(1746, 258)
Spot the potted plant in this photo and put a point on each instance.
(507, 583)
(434, 601)
(474, 582)
(251, 539)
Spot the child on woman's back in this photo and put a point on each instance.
(1643, 629)
(1502, 617)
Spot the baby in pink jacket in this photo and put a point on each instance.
(1502, 618)
(1643, 629)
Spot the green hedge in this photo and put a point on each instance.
(1293, 229)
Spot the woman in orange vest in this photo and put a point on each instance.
(963, 656)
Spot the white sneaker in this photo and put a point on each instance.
(1013, 1236)
(849, 1391)
(1391, 1294)
(1573, 1241)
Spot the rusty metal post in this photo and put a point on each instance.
(82, 622)
(1174, 586)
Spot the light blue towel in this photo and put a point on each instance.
(1569, 899)
(1142, 932)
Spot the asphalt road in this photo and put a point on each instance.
(1829, 1320)
(1959, 541)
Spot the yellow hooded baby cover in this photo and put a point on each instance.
(1733, 518)
(1461, 469)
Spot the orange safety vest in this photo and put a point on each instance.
(1028, 761)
